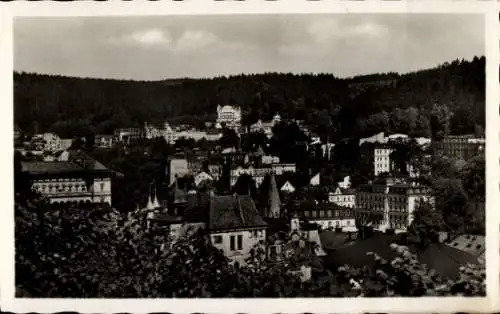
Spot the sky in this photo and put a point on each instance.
(161, 47)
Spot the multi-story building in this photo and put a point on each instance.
(164, 130)
(50, 142)
(230, 116)
(103, 141)
(329, 215)
(459, 147)
(128, 135)
(343, 197)
(382, 159)
(76, 178)
(390, 204)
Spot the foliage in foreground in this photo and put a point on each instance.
(97, 252)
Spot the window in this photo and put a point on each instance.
(240, 242)
(217, 239)
(232, 246)
(102, 186)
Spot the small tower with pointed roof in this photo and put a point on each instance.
(274, 199)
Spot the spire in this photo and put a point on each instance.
(274, 199)
(156, 204)
(150, 201)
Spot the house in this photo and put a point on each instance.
(74, 178)
(345, 183)
(202, 176)
(315, 180)
(287, 187)
(343, 197)
(177, 168)
(104, 141)
(160, 130)
(280, 168)
(235, 226)
(462, 147)
(472, 244)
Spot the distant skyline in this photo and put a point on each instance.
(163, 47)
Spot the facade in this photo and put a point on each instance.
(315, 181)
(459, 147)
(287, 187)
(230, 116)
(382, 159)
(266, 127)
(51, 142)
(390, 206)
(127, 135)
(331, 216)
(151, 131)
(74, 180)
(103, 141)
(235, 226)
(281, 168)
(202, 176)
(343, 197)
(177, 168)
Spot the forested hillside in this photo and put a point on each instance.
(334, 107)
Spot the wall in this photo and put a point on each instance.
(249, 242)
(347, 224)
(101, 189)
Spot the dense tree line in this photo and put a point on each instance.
(335, 108)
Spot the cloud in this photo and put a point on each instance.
(149, 37)
(329, 29)
(194, 40)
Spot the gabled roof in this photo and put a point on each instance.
(233, 212)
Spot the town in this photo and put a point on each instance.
(249, 156)
(230, 181)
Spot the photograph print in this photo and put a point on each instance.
(249, 156)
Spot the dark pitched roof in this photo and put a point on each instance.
(444, 259)
(233, 212)
(50, 167)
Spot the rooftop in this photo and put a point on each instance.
(233, 212)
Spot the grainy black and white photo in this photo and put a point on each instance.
(250, 156)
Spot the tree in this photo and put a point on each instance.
(426, 225)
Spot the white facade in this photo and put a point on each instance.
(74, 190)
(347, 224)
(53, 143)
(382, 160)
(288, 187)
(342, 199)
(202, 176)
(229, 115)
(178, 168)
(279, 169)
(314, 180)
(165, 131)
(237, 244)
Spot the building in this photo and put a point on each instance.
(266, 127)
(51, 142)
(127, 135)
(235, 226)
(281, 168)
(75, 178)
(315, 180)
(177, 168)
(230, 116)
(103, 141)
(287, 187)
(382, 159)
(202, 176)
(343, 197)
(389, 204)
(330, 216)
(462, 147)
(163, 130)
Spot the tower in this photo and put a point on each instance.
(274, 199)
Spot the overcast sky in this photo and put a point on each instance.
(152, 48)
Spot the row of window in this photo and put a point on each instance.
(329, 213)
(65, 187)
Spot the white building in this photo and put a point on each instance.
(236, 226)
(343, 197)
(76, 179)
(178, 168)
(391, 205)
(164, 131)
(103, 141)
(382, 160)
(331, 216)
(266, 127)
(52, 142)
(287, 187)
(230, 116)
(315, 180)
